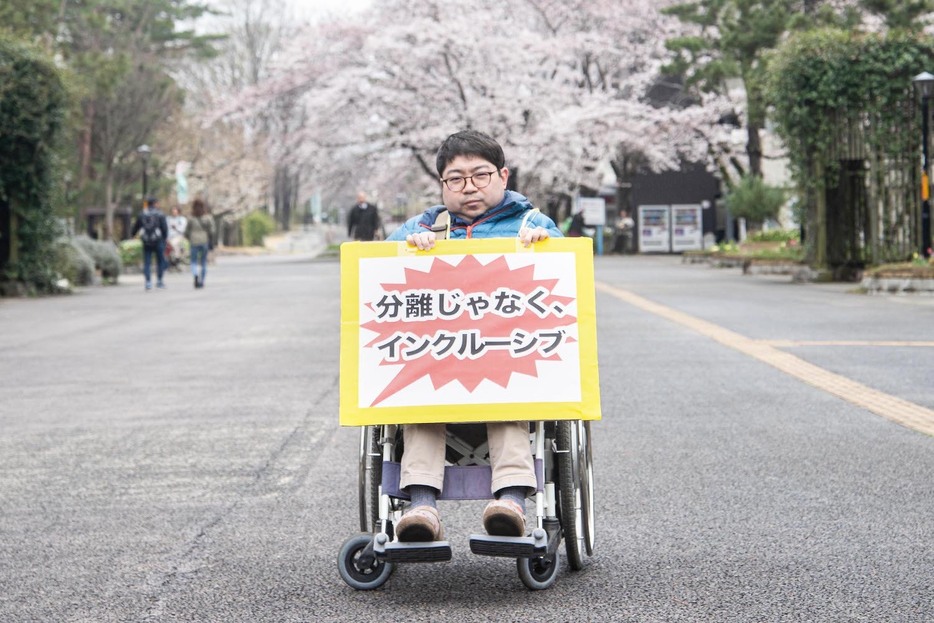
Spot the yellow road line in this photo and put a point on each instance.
(886, 343)
(903, 412)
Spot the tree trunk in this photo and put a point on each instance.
(84, 146)
(8, 236)
(819, 229)
(754, 149)
(283, 196)
(624, 166)
(109, 204)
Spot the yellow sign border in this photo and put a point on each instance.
(351, 414)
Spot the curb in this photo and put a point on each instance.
(898, 285)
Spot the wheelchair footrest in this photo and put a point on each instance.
(431, 551)
(510, 546)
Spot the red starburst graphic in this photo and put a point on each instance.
(467, 322)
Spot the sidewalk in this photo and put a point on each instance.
(312, 240)
(304, 240)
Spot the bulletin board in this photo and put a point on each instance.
(471, 331)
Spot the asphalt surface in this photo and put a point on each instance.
(175, 456)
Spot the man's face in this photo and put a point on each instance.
(471, 202)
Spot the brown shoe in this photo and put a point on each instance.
(504, 518)
(420, 524)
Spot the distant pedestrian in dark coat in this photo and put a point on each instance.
(363, 221)
(153, 231)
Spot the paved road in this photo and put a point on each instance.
(174, 456)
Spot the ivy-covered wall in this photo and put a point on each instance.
(843, 103)
(33, 102)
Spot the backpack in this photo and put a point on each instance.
(150, 234)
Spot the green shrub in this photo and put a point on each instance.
(256, 226)
(105, 255)
(755, 200)
(131, 252)
(725, 248)
(776, 235)
(33, 105)
(72, 262)
(787, 251)
(833, 90)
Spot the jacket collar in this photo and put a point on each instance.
(511, 201)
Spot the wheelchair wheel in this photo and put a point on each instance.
(360, 572)
(575, 490)
(539, 573)
(369, 477)
(587, 489)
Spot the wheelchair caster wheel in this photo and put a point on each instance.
(540, 572)
(359, 568)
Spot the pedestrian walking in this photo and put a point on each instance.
(177, 223)
(363, 222)
(200, 234)
(153, 232)
(624, 228)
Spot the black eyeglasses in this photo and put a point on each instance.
(480, 180)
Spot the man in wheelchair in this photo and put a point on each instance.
(476, 204)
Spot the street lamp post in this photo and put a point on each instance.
(67, 198)
(924, 83)
(144, 152)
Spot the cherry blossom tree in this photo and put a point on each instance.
(563, 85)
(232, 166)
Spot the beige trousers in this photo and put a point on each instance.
(510, 455)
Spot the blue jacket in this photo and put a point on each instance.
(501, 221)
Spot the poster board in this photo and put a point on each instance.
(593, 209)
(471, 331)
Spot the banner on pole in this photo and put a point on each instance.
(471, 331)
(181, 182)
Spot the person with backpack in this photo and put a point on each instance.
(153, 231)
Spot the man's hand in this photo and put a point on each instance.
(424, 240)
(527, 236)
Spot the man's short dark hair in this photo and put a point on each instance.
(469, 143)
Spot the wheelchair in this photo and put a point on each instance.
(563, 503)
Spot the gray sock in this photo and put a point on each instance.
(516, 494)
(423, 495)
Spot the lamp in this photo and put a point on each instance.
(924, 85)
(144, 152)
